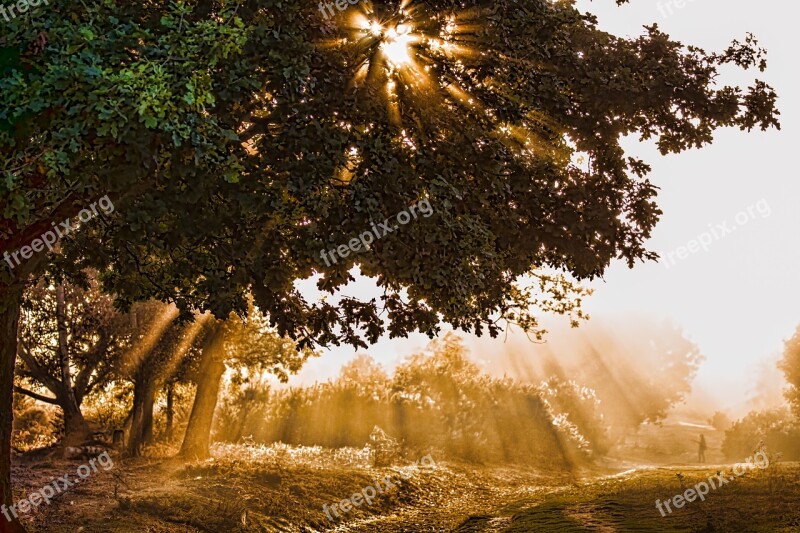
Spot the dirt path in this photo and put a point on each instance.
(468, 496)
(483, 501)
(758, 501)
(604, 503)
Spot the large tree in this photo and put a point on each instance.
(239, 141)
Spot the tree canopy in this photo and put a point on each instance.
(281, 134)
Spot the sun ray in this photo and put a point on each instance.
(146, 344)
(187, 339)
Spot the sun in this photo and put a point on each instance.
(395, 40)
(404, 44)
(396, 45)
(422, 62)
(416, 54)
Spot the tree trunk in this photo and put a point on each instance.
(197, 441)
(76, 430)
(147, 416)
(10, 300)
(170, 411)
(141, 430)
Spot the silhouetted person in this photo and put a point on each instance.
(701, 449)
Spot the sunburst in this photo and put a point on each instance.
(421, 58)
(402, 47)
(396, 45)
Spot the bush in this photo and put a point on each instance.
(107, 409)
(576, 410)
(776, 429)
(720, 421)
(34, 427)
(385, 450)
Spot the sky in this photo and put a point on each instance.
(735, 295)
(737, 300)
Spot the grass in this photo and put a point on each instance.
(282, 489)
(759, 501)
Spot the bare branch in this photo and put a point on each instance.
(35, 396)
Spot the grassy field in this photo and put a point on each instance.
(759, 501)
(283, 489)
(270, 489)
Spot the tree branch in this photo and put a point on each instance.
(82, 384)
(36, 371)
(35, 396)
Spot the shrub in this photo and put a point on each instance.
(776, 429)
(34, 426)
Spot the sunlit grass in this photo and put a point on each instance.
(284, 454)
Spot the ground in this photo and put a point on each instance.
(283, 489)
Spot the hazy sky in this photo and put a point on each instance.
(738, 299)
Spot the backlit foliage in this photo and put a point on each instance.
(437, 400)
(239, 140)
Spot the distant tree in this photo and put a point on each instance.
(790, 365)
(437, 400)
(776, 429)
(70, 337)
(363, 369)
(720, 421)
(100, 345)
(639, 374)
(158, 348)
(247, 397)
(242, 408)
(445, 378)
